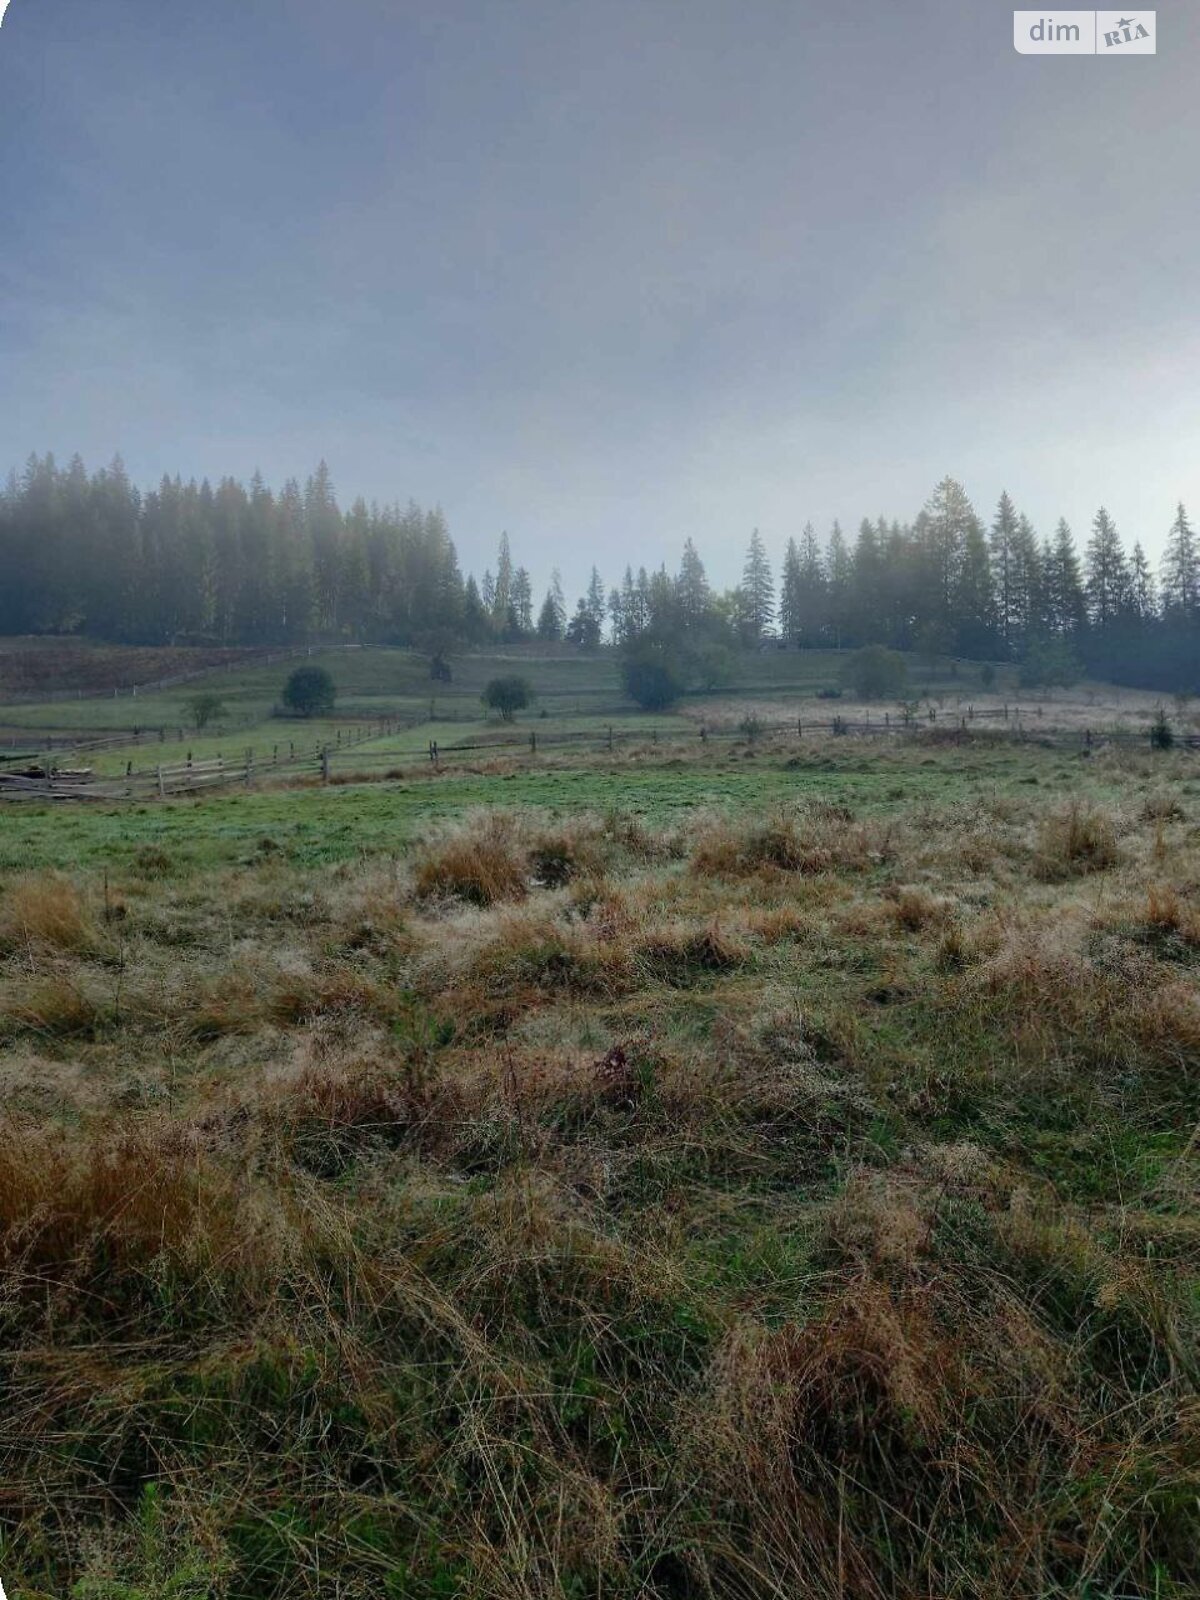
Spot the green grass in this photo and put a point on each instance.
(321, 826)
(789, 1194)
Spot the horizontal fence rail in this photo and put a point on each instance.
(350, 753)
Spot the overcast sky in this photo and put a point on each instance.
(605, 274)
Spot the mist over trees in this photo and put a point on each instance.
(243, 564)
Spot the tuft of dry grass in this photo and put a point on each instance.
(45, 911)
(479, 864)
(1073, 841)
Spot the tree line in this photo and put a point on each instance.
(90, 554)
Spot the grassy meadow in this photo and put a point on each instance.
(761, 1171)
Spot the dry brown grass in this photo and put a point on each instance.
(817, 840)
(45, 911)
(480, 864)
(774, 1214)
(1073, 841)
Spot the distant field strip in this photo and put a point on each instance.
(346, 757)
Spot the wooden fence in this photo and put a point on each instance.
(350, 754)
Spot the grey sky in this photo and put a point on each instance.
(606, 275)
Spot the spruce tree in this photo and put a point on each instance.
(691, 587)
(1001, 542)
(1181, 571)
(1107, 574)
(757, 593)
(790, 595)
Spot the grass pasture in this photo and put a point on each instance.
(577, 695)
(769, 1172)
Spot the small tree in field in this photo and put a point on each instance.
(308, 691)
(652, 673)
(875, 673)
(205, 708)
(507, 696)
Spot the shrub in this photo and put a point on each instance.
(652, 676)
(308, 691)
(507, 696)
(1050, 666)
(1162, 735)
(204, 709)
(875, 673)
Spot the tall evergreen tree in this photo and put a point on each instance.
(757, 593)
(791, 595)
(1001, 541)
(522, 602)
(1181, 571)
(1106, 583)
(691, 587)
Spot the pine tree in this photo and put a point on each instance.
(597, 606)
(812, 616)
(1142, 588)
(552, 620)
(549, 625)
(691, 587)
(757, 593)
(1107, 574)
(502, 594)
(1181, 571)
(583, 630)
(1066, 604)
(1001, 540)
(522, 602)
(866, 583)
(840, 571)
(791, 601)
(946, 521)
(974, 600)
(476, 613)
(1026, 590)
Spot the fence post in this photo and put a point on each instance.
(324, 763)
(533, 741)
(249, 768)
(162, 793)
(610, 738)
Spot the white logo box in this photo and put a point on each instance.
(1085, 33)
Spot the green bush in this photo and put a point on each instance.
(875, 673)
(652, 677)
(507, 696)
(308, 691)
